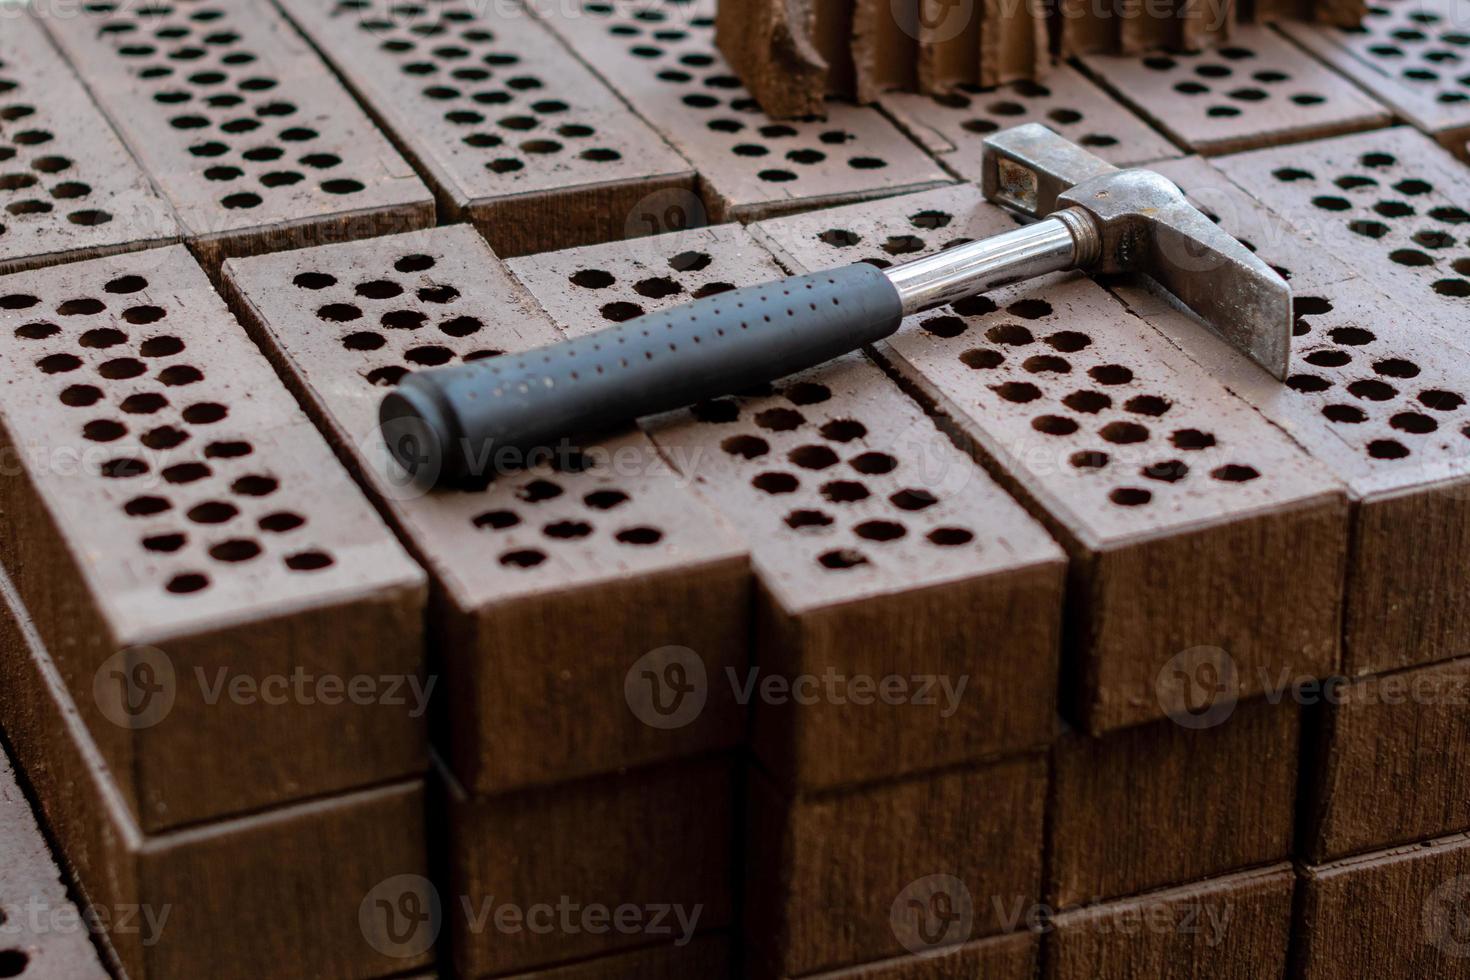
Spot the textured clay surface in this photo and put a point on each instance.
(512, 130)
(173, 495)
(880, 548)
(1135, 455)
(1411, 55)
(954, 125)
(243, 128)
(68, 188)
(664, 63)
(603, 539)
(1258, 90)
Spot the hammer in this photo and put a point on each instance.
(1092, 216)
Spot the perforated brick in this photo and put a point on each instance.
(1390, 203)
(663, 61)
(1258, 90)
(1378, 397)
(880, 549)
(246, 132)
(68, 189)
(170, 494)
(1133, 454)
(1235, 926)
(514, 133)
(660, 839)
(1412, 55)
(835, 880)
(1382, 733)
(34, 899)
(205, 900)
(1393, 913)
(558, 577)
(953, 126)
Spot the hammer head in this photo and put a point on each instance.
(1146, 226)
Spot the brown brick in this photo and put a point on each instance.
(511, 131)
(1164, 804)
(953, 125)
(1377, 736)
(880, 549)
(1407, 57)
(1398, 913)
(1377, 395)
(1258, 91)
(232, 899)
(45, 933)
(1161, 484)
(68, 188)
(1011, 957)
(651, 838)
(553, 582)
(1391, 204)
(1231, 928)
(844, 878)
(749, 165)
(173, 521)
(246, 132)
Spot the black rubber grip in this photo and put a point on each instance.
(446, 424)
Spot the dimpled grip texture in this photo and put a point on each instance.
(654, 363)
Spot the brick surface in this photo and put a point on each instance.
(650, 838)
(1390, 203)
(233, 898)
(603, 542)
(247, 133)
(880, 549)
(846, 878)
(1138, 458)
(1375, 394)
(68, 188)
(44, 933)
(708, 957)
(176, 521)
(1165, 804)
(1011, 957)
(1410, 54)
(1234, 928)
(1383, 733)
(1394, 913)
(953, 126)
(663, 61)
(513, 132)
(1257, 91)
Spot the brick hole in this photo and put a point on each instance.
(873, 463)
(903, 244)
(879, 530)
(1087, 402)
(775, 483)
(950, 537)
(255, 485)
(142, 315)
(843, 430)
(537, 491)
(1010, 334)
(844, 491)
(1089, 459)
(1453, 288)
(746, 446)
(461, 326)
(620, 311)
(945, 326)
(982, 358)
(1054, 425)
(1346, 414)
(80, 396)
(657, 287)
(379, 289)
(567, 529)
(1415, 423)
(1192, 440)
(1372, 390)
(807, 393)
(1017, 392)
(126, 284)
(1068, 341)
(165, 543)
(1130, 496)
(123, 468)
(187, 583)
(181, 473)
(309, 561)
(1168, 471)
(1047, 364)
(81, 307)
(146, 506)
(339, 313)
(717, 411)
(1329, 358)
(1110, 374)
(842, 558)
(314, 280)
(642, 536)
(235, 550)
(592, 278)
(496, 520)
(403, 319)
(37, 331)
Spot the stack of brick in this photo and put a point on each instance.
(573, 770)
(793, 57)
(1378, 395)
